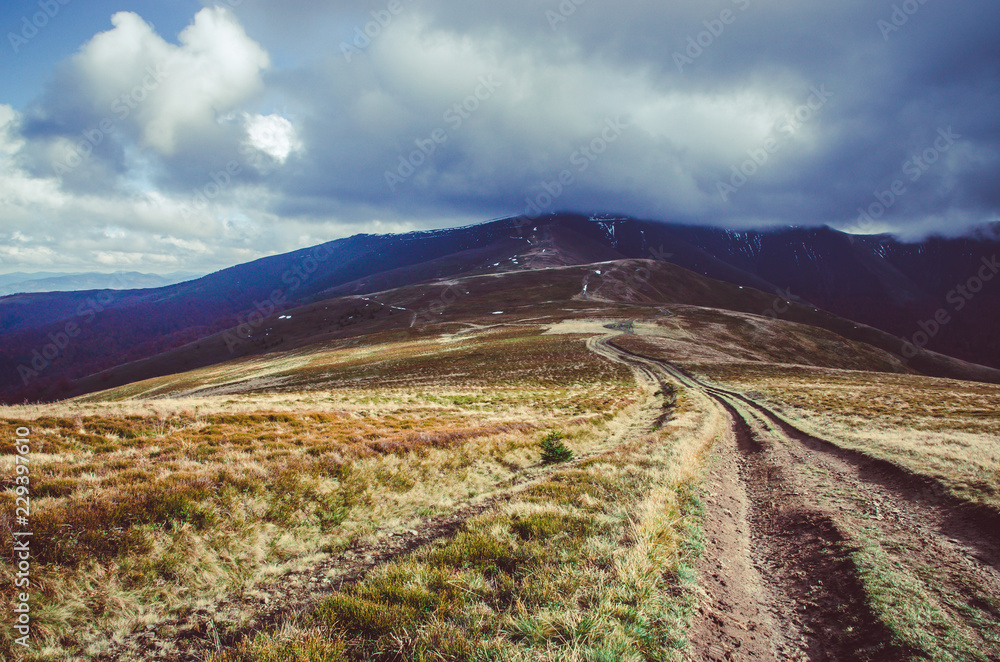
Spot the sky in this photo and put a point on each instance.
(157, 137)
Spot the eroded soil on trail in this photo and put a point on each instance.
(776, 574)
(734, 621)
(786, 514)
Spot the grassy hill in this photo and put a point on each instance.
(363, 478)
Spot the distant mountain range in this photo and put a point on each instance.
(941, 294)
(19, 282)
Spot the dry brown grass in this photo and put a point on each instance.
(710, 336)
(591, 564)
(946, 429)
(144, 509)
(499, 356)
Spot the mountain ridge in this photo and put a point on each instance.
(878, 281)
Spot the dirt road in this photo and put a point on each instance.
(779, 578)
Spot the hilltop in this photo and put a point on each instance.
(921, 293)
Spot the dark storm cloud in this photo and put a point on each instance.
(896, 73)
(418, 113)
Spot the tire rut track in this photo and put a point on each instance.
(194, 636)
(298, 590)
(913, 532)
(810, 603)
(922, 523)
(927, 502)
(820, 605)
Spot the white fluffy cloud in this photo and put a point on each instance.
(271, 134)
(131, 95)
(172, 92)
(201, 150)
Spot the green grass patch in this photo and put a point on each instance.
(566, 571)
(911, 608)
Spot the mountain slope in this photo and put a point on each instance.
(622, 289)
(375, 454)
(876, 280)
